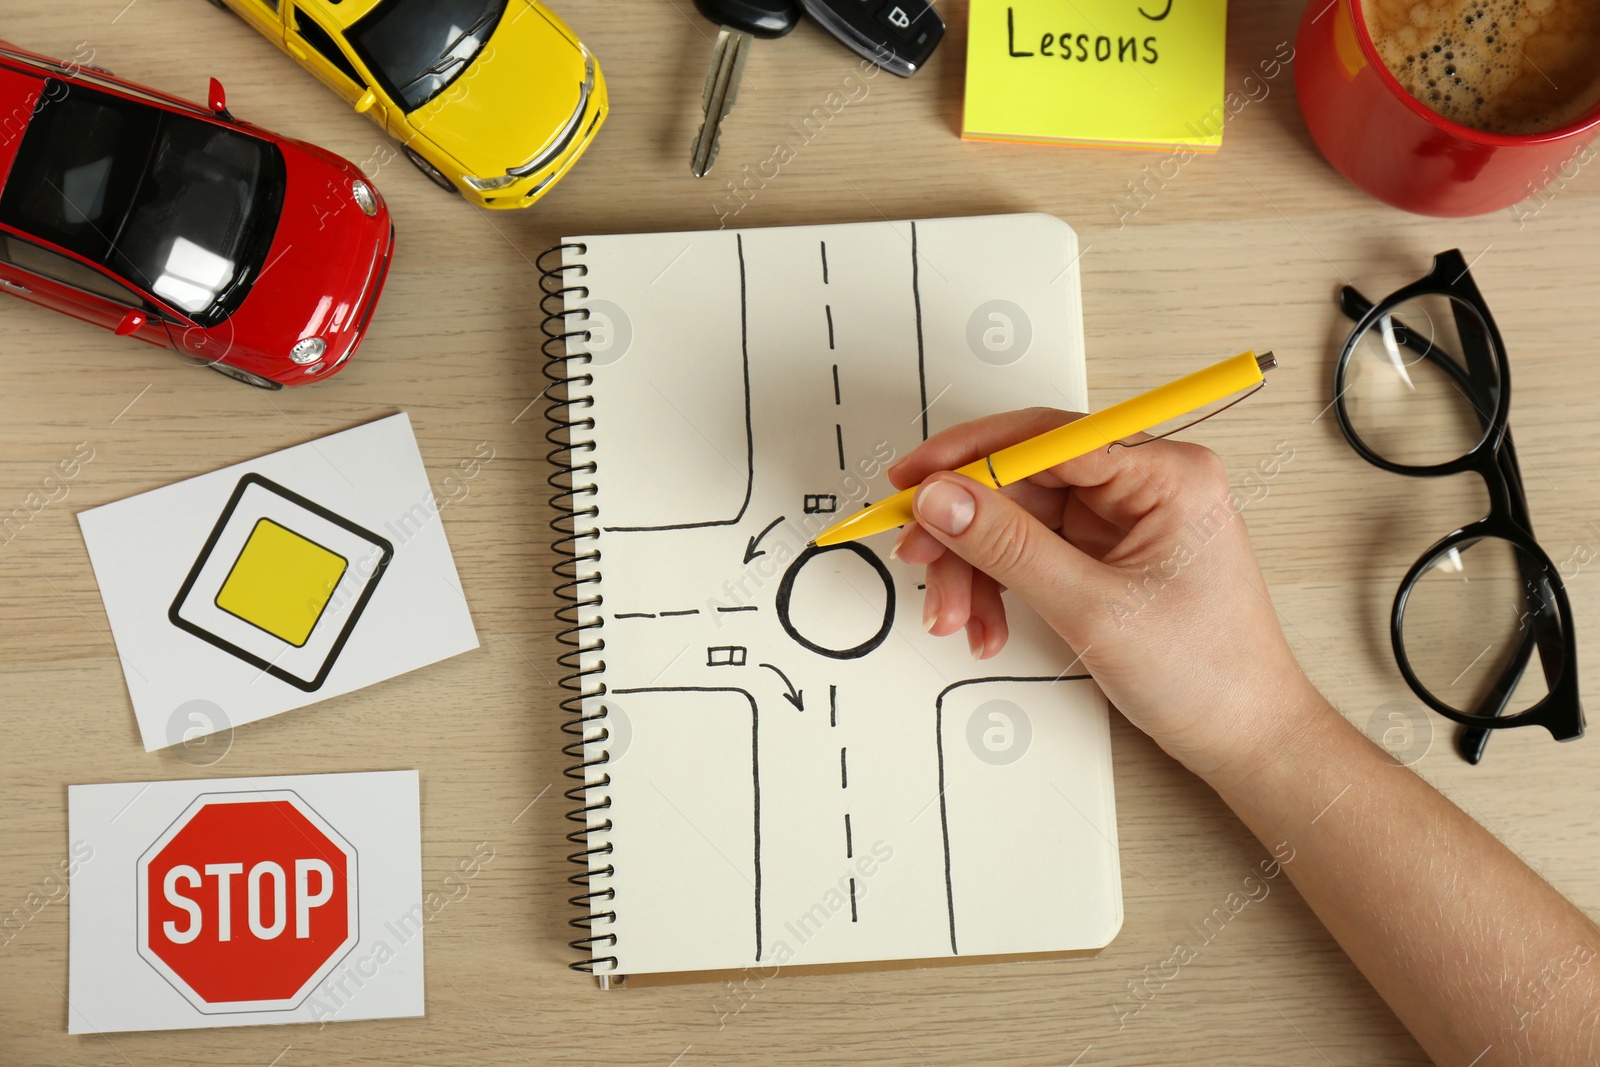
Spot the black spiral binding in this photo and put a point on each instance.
(576, 527)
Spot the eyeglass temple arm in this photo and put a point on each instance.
(1507, 458)
(1470, 741)
(1544, 629)
(1544, 616)
(1480, 366)
(1479, 349)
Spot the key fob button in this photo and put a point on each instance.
(897, 20)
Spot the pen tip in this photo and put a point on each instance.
(811, 543)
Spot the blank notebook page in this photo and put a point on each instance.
(798, 773)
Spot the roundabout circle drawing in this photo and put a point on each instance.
(786, 597)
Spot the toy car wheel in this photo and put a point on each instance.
(433, 172)
(245, 376)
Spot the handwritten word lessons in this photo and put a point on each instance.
(1113, 73)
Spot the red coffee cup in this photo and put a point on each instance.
(1391, 145)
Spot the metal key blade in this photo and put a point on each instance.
(722, 89)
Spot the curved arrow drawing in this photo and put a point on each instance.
(750, 552)
(794, 696)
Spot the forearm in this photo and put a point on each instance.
(1479, 957)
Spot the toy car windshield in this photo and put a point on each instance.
(180, 207)
(418, 47)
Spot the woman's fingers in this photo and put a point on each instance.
(1049, 536)
(947, 601)
(960, 445)
(917, 546)
(1042, 502)
(997, 536)
(1120, 484)
(1085, 529)
(987, 630)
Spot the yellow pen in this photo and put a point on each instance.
(1027, 458)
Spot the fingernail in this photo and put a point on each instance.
(899, 543)
(930, 608)
(946, 506)
(976, 637)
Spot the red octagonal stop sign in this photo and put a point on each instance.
(247, 901)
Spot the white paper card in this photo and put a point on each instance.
(279, 582)
(245, 901)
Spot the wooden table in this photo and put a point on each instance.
(1243, 249)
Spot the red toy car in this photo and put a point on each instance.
(257, 255)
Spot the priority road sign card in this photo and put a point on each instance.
(278, 582)
(244, 901)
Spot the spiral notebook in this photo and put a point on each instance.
(779, 768)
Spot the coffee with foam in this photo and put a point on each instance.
(1503, 66)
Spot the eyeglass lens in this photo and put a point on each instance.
(1407, 390)
(1471, 618)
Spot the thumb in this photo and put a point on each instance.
(997, 536)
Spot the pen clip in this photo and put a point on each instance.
(1262, 384)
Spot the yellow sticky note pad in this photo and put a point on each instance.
(281, 582)
(1115, 73)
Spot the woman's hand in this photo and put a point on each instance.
(1139, 559)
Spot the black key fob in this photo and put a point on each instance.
(897, 35)
(758, 18)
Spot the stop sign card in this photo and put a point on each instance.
(243, 901)
(279, 582)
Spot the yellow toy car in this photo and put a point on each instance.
(493, 98)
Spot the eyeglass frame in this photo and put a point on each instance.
(1492, 458)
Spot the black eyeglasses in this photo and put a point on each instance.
(1423, 388)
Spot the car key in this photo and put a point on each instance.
(740, 22)
(897, 35)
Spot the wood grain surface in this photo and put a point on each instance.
(1244, 249)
